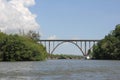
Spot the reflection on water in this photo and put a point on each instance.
(61, 70)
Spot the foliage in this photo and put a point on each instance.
(109, 47)
(33, 35)
(20, 48)
(63, 56)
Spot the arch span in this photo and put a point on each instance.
(69, 42)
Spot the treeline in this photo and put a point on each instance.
(21, 48)
(63, 56)
(109, 47)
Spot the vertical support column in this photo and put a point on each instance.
(89, 50)
(81, 44)
(89, 45)
(49, 47)
(85, 49)
(53, 45)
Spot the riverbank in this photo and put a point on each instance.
(64, 56)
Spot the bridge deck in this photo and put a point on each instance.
(69, 40)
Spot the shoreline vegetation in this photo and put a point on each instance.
(64, 56)
(21, 47)
(24, 47)
(109, 47)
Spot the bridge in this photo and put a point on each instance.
(83, 45)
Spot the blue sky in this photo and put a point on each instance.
(81, 19)
(76, 19)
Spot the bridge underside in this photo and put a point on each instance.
(83, 45)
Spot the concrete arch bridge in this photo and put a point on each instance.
(83, 45)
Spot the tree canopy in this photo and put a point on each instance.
(109, 47)
(20, 48)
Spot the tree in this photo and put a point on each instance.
(20, 48)
(33, 35)
(109, 47)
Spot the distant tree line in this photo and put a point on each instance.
(109, 47)
(63, 56)
(21, 47)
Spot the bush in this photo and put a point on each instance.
(20, 48)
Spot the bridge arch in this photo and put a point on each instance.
(83, 46)
(68, 42)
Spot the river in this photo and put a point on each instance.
(61, 70)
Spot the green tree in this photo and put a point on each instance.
(109, 47)
(20, 48)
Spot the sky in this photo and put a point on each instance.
(76, 19)
(61, 19)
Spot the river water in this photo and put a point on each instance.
(61, 70)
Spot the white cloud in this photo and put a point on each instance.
(15, 15)
(52, 37)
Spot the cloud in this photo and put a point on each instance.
(15, 15)
(52, 37)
